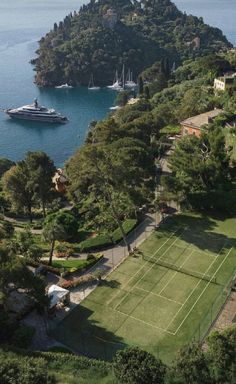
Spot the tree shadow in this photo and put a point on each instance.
(84, 335)
(199, 231)
(114, 284)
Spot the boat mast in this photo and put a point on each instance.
(123, 77)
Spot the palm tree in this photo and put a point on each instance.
(53, 231)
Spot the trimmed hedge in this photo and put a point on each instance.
(102, 241)
(216, 201)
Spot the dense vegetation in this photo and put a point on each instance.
(113, 175)
(106, 34)
(131, 366)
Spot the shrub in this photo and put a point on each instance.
(59, 349)
(67, 221)
(34, 252)
(102, 241)
(69, 284)
(22, 336)
(220, 201)
(8, 228)
(91, 257)
(63, 250)
(134, 366)
(23, 370)
(128, 226)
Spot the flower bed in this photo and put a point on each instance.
(69, 284)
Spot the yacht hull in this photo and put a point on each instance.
(43, 119)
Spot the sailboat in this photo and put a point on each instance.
(173, 69)
(91, 85)
(130, 83)
(64, 86)
(116, 83)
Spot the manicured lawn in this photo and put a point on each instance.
(69, 264)
(158, 308)
(86, 243)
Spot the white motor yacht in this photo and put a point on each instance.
(35, 112)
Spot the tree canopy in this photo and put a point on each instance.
(199, 164)
(28, 184)
(105, 35)
(134, 366)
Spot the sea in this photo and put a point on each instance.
(22, 23)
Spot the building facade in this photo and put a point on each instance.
(196, 124)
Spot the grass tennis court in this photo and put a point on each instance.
(161, 298)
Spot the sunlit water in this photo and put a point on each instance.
(22, 23)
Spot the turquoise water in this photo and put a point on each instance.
(22, 23)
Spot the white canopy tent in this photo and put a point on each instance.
(58, 295)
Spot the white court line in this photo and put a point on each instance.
(141, 267)
(144, 322)
(195, 287)
(172, 277)
(149, 269)
(198, 250)
(158, 295)
(203, 291)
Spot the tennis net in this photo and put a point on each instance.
(185, 271)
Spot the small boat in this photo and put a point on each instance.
(116, 84)
(64, 86)
(91, 86)
(35, 112)
(130, 83)
(115, 108)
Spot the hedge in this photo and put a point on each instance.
(216, 201)
(102, 241)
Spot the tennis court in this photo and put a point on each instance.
(160, 297)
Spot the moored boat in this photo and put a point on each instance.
(64, 86)
(91, 86)
(35, 112)
(129, 82)
(116, 84)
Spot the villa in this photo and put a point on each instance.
(195, 125)
(222, 83)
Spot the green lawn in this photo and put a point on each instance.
(158, 308)
(70, 264)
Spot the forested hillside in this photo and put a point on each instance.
(106, 34)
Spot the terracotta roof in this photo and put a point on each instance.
(202, 119)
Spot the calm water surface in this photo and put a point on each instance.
(22, 23)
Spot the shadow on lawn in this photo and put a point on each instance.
(198, 230)
(109, 283)
(84, 336)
